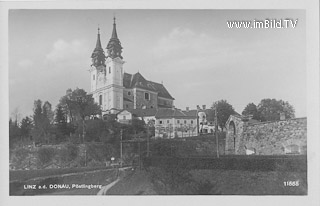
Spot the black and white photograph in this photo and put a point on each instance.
(160, 102)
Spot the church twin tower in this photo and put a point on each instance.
(107, 74)
(115, 90)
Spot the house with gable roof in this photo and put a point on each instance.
(173, 123)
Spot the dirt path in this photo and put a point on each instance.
(135, 183)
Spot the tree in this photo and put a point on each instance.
(42, 118)
(14, 132)
(224, 110)
(26, 127)
(78, 105)
(16, 115)
(47, 111)
(270, 109)
(251, 109)
(61, 124)
(60, 117)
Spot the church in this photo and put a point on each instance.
(114, 90)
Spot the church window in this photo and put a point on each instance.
(94, 77)
(100, 99)
(146, 96)
(109, 70)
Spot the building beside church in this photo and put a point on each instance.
(175, 123)
(115, 90)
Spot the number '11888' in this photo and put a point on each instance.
(291, 183)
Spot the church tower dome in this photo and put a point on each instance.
(114, 48)
(98, 56)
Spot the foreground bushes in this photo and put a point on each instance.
(45, 155)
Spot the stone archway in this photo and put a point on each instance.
(234, 129)
(231, 137)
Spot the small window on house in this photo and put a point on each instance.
(191, 121)
(109, 70)
(160, 122)
(146, 96)
(124, 117)
(129, 93)
(151, 107)
(168, 121)
(127, 106)
(185, 121)
(94, 77)
(178, 121)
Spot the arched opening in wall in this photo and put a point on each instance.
(232, 135)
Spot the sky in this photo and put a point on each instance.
(193, 52)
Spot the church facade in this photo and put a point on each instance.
(115, 90)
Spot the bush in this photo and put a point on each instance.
(172, 179)
(68, 153)
(45, 155)
(20, 157)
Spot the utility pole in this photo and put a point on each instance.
(139, 154)
(148, 141)
(121, 148)
(216, 131)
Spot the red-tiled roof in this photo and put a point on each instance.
(143, 112)
(138, 81)
(174, 113)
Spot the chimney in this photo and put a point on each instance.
(187, 109)
(282, 116)
(204, 107)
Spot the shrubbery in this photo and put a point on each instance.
(45, 155)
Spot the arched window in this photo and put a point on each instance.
(100, 99)
(232, 128)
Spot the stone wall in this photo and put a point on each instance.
(268, 138)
